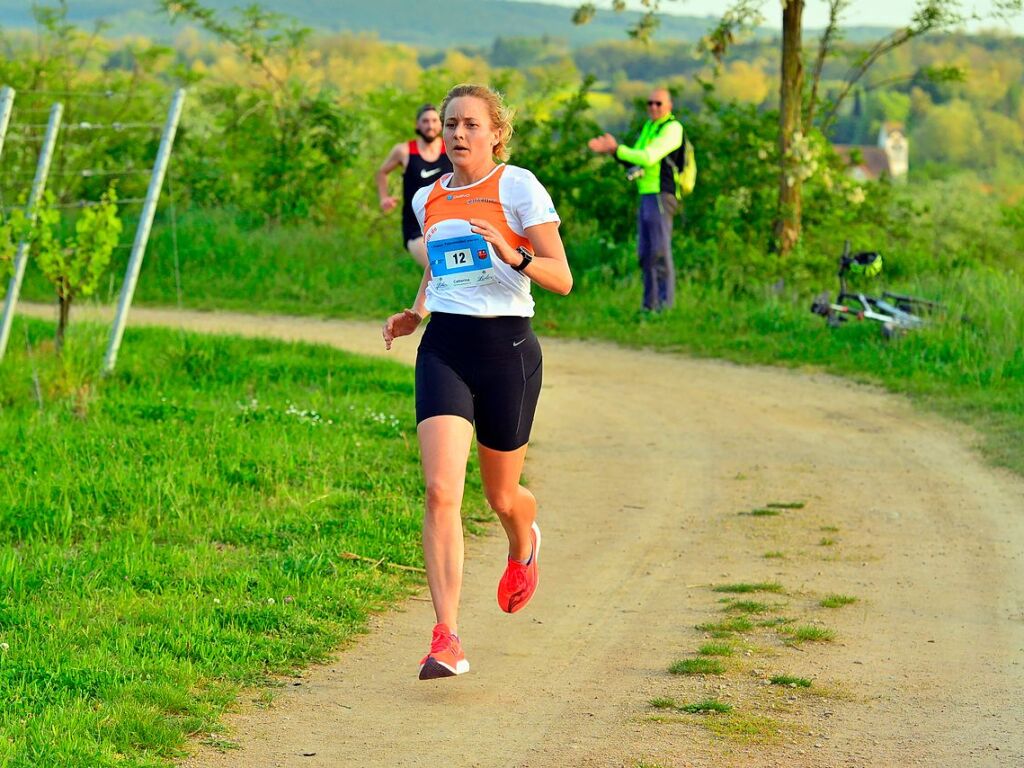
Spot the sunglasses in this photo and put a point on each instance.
(653, 103)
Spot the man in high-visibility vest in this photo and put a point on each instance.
(649, 162)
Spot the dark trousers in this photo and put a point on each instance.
(654, 247)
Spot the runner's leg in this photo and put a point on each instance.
(515, 505)
(444, 448)
(418, 250)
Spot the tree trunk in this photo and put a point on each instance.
(62, 323)
(787, 225)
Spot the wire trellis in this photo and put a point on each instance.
(86, 173)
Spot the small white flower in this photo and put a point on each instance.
(216, 601)
(5, 647)
(270, 601)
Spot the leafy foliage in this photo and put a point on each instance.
(13, 229)
(75, 265)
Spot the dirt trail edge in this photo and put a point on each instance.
(647, 467)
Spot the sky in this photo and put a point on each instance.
(880, 13)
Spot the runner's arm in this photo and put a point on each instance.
(397, 157)
(419, 306)
(408, 320)
(549, 268)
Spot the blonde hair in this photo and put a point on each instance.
(501, 115)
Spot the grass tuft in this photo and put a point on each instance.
(702, 707)
(761, 512)
(785, 504)
(746, 588)
(836, 601)
(698, 666)
(707, 706)
(663, 703)
(726, 627)
(790, 681)
(774, 555)
(811, 634)
(747, 606)
(715, 649)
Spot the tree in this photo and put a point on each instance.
(74, 266)
(291, 132)
(797, 113)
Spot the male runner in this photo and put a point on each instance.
(423, 160)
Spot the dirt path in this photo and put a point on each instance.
(642, 463)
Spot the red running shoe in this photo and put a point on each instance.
(446, 658)
(519, 581)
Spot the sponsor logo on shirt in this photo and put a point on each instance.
(425, 174)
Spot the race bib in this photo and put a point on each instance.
(460, 262)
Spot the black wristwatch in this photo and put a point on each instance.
(527, 258)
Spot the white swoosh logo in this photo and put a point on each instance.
(517, 343)
(425, 174)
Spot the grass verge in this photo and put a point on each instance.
(178, 530)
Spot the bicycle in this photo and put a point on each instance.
(897, 313)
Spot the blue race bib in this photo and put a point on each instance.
(460, 262)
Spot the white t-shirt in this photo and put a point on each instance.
(525, 203)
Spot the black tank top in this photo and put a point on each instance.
(419, 173)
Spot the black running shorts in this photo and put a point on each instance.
(486, 370)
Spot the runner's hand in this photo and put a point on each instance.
(387, 204)
(400, 324)
(501, 247)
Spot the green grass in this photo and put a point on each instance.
(706, 706)
(727, 627)
(790, 681)
(698, 666)
(715, 649)
(836, 601)
(747, 606)
(762, 512)
(774, 555)
(746, 587)
(969, 371)
(810, 634)
(744, 727)
(176, 532)
(826, 542)
(786, 504)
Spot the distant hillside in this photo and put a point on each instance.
(419, 22)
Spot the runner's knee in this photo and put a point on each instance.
(442, 497)
(503, 501)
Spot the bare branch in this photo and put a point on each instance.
(828, 39)
(929, 16)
